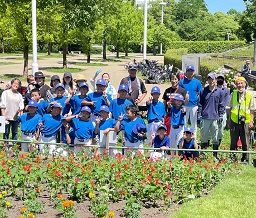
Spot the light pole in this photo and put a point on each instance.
(145, 29)
(34, 38)
(162, 21)
(228, 34)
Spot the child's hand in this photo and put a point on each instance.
(149, 101)
(19, 110)
(184, 136)
(141, 134)
(54, 102)
(153, 136)
(106, 131)
(98, 120)
(121, 117)
(192, 136)
(93, 103)
(105, 96)
(169, 104)
(163, 148)
(183, 110)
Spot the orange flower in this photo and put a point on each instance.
(111, 214)
(23, 209)
(21, 216)
(38, 190)
(66, 204)
(31, 215)
(71, 203)
(59, 195)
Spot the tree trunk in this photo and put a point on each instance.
(126, 49)
(25, 56)
(2, 47)
(65, 63)
(104, 49)
(154, 50)
(117, 50)
(49, 48)
(89, 55)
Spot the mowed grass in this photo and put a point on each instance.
(7, 63)
(63, 70)
(232, 198)
(90, 64)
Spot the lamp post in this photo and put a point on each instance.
(162, 21)
(228, 34)
(34, 38)
(145, 29)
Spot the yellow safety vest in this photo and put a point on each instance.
(242, 109)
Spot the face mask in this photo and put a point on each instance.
(220, 82)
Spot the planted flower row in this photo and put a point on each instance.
(102, 179)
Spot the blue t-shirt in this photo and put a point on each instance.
(193, 87)
(104, 124)
(156, 111)
(51, 124)
(118, 107)
(177, 117)
(158, 143)
(71, 134)
(76, 104)
(61, 101)
(83, 129)
(99, 101)
(127, 126)
(42, 107)
(29, 124)
(187, 145)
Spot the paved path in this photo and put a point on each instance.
(115, 69)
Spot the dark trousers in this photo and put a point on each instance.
(14, 125)
(242, 131)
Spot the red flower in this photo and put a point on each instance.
(149, 176)
(77, 180)
(190, 170)
(198, 176)
(9, 172)
(57, 173)
(126, 167)
(122, 192)
(92, 183)
(153, 169)
(168, 194)
(157, 181)
(38, 160)
(207, 167)
(3, 163)
(27, 168)
(176, 177)
(112, 165)
(168, 186)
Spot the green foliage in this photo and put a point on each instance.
(63, 70)
(206, 46)
(132, 208)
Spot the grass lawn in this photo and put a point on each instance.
(232, 198)
(7, 63)
(90, 64)
(63, 70)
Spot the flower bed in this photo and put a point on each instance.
(102, 180)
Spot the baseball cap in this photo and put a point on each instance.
(162, 126)
(179, 97)
(212, 75)
(67, 74)
(56, 105)
(104, 108)
(155, 89)
(39, 74)
(101, 82)
(123, 87)
(86, 108)
(139, 128)
(55, 77)
(190, 67)
(59, 85)
(132, 67)
(32, 103)
(191, 130)
(83, 84)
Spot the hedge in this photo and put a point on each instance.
(206, 46)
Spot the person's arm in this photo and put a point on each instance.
(16, 114)
(195, 144)
(67, 136)
(150, 143)
(117, 127)
(96, 130)
(3, 103)
(106, 99)
(69, 118)
(71, 94)
(186, 99)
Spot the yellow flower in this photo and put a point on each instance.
(21, 216)
(1, 196)
(31, 215)
(4, 192)
(91, 195)
(8, 203)
(111, 214)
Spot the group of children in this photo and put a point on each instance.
(79, 118)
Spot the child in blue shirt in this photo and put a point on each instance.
(49, 128)
(156, 111)
(159, 141)
(83, 128)
(118, 105)
(29, 124)
(42, 104)
(133, 136)
(188, 142)
(75, 101)
(104, 125)
(177, 113)
(67, 133)
(97, 99)
(60, 98)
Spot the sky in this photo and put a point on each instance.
(225, 5)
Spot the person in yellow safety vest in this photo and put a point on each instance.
(242, 106)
